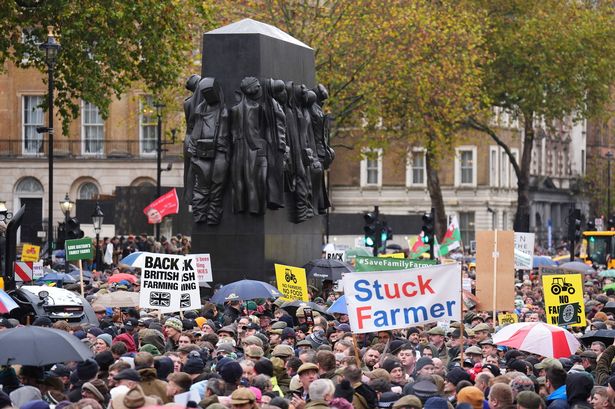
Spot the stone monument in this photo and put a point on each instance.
(256, 150)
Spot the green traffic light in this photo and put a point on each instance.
(369, 242)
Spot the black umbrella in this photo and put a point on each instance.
(326, 269)
(292, 306)
(604, 335)
(39, 346)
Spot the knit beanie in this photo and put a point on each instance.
(422, 362)
(174, 323)
(390, 364)
(107, 338)
(471, 395)
(150, 348)
(194, 365)
(87, 369)
(231, 372)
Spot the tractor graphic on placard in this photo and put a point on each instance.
(290, 276)
(559, 285)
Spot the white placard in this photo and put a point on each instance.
(169, 283)
(524, 251)
(387, 300)
(37, 270)
(202, 265)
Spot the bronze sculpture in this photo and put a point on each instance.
(211, 144)
(320, 130)
(190, 105)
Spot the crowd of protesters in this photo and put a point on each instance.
(255, 354)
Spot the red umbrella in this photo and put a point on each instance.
(115, 278)
(538, 338)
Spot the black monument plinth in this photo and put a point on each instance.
(245, 245)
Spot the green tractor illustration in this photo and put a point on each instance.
(559, 284)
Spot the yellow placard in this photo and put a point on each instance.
(392, 255)
(564, 291)
(292, 282)
(507, 318)
(30, 252)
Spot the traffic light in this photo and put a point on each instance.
(370, 228)
(591, 225)
(386, 233)
(428, 231)
(73, 230)
(574, 225)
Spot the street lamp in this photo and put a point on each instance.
(97, 220)
(51, 48)
(66, 205)
(609, 156)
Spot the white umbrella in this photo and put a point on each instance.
(538, 338)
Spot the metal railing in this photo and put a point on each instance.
(94, 149)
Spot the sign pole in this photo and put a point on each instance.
(356, 350)
(495, 275)
(461, 326)
(81, 277)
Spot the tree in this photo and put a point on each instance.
(107, 46)
(551, 59)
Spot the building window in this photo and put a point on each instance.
(93, 129)
(504, 165)
(88, 191)
(147, 128)
(371, 167)
(466, 226)
(465, 166)
(29, 185)
(416, 169)
(493, 166)
(32, 117)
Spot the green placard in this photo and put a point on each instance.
(79, 249)
(387, 264)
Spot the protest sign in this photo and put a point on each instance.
(292, 282)
(339, 255)
(169, 283)
(388, 264)
(564, 291)
(78, 249)
(202, 266)
(524, 251)
(37, 270)
(30, 252)
(161, 207)
(387, 300)
(466, 284)
(507, 319)
(495, 270)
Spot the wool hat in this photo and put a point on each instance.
(521, 383)
(317, 339)
(457, 375)
(107, 338)
(436, 403)
(547, 363)
(150, 348)
(308, 366)
(408, 400)
(254, 352)
(436, 331)
(474, 350)
(231, 372)
(87, 369)
(128, 374)
(42, 322)
(104, 360)
(471, 395)
(174, 323)
(521, 365)
(224, 347)
(493, 369)
(134, 398)
(95, 331)
(98, 388)
(283, 351)
(253, 340)
(242, 396)
(379, 373)
(288, 333)
(481, 327)
(422, 362)
(390, 364)
(194, 365)
(388, 399)
(153, 337)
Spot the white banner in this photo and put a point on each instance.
(169, 283)
(524, 251)
(37, 270)
(202, 265)
(386, 300)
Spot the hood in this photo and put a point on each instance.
(148, 374)
(128, 340)
(559, 393)
(578, 386)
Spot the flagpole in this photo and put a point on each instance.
(461, 326)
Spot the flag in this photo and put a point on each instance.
(418, 248)
(451, 239)
(164, 205)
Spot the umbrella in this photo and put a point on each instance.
(604, 335)
(577, 267)
(119, 299)
(607, 273)
(39, 346)
(87, 275)
(116, 278)
(133, 259)
(292, 306)
(326, 269)
(66, 278)
(339, 306)
(543, 261)
(358, 252)
(245, 290)
(6, 303)
(609, 287)
(538, 338)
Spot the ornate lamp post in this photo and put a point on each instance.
(97, 220)
(66, 205)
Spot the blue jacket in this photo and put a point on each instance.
(558, 400)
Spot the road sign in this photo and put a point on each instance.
(23, 271)
(78, 249)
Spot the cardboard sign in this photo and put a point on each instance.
(524, 251)
(30, 252)
(387, 300)
(202, 266)
(507, 319)
(79, 249)
(292, 282)
(169, 283)
(503, 274)
(339, 255)
(388, 264)
(561, 291)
